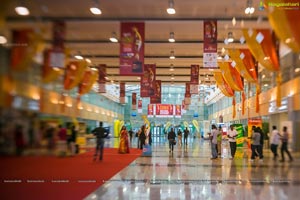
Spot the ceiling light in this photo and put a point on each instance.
(266, 85)
(219, 57)
(95, 9)
(233, 21)
(297, 70)
(171, 38)
(172, 56)
(249, 8)
(88, 60)
(263, 76)
(170, 9)
(22, 10)
(171, 67)
(3, 39)
(113, 37)
(230, 37)
(78, 56)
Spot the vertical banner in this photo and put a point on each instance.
(178, 111)
(148, 80)
(150, 110)
(140, 106)
(132, 48)
(122, 93)
(183, 106)
(101, 78)
(59, 35)
(133, 101)
(210, 44)
(156, 98)
(187, 95)
(195, 74)
(194, 79)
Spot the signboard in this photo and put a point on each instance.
(156, 98)
(133, 101)
(210, 44)
(132, 48)
(178, 111)
(164, 110)
(150, 110)
(122, 93)
(195, 74)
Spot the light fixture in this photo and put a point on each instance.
(297, 70)
(171, 38)
(21, 9)
(171, 67)
(230, 37)
(172, 55)
(95, 9)
(78, 56)
(113, 37)
(88, 60)
(171, 9)
(3, 39)
(172, 77)
(233, 21)
(249, 8)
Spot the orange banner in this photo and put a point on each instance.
(231, 75)
(89, 78)
(284, 21)
(222, 85)
(74, 73)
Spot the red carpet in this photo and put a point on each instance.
(63, 178)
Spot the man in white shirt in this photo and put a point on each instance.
(275, 139)
(232, 134)
(214, 135)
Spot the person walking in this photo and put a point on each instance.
(232, 134)
(275, 139)
(179, 134)
(171, 138)
(186, 133)
(214, 143)
(130, 136)
(100, 134)
(256, 145)
(284, 145)
(142, 136)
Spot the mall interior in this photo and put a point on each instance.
(160, 63)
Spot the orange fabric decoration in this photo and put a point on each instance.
(233, 108)
(231, 76)
(74, 74)
(222, 85)
(257, 107)
(243, 102)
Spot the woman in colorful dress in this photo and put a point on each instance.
(124, 143)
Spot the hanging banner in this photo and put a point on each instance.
(183, 107)
(187, 95)
(122, 93)
(210, 44)
(194, 74)
(164, 110)
(178, 111)
(132, 48)
(148, 80)
(150, 110)
(101, 78)
(140, 106)
(58, 35)
(156, 98)
(133, 101)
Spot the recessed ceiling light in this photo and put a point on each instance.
(297, 70)
(22, 10)
(170, 9)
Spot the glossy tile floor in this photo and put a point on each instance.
(189, 173)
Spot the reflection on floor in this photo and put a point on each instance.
(189, 173)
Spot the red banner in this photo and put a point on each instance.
(132, 48)
(59, 34)
(195, 74)
(164, 110)
(150, 110)
(177, 110)
(140, 106)
(210, 44)
(148, 80)
(101, 78)
(122, 93)
(156, 98)
(133, 101)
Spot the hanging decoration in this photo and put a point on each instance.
(132, 48)
(222, 85)
(133, 103)
(233, 108)
(231, 75)
(148, 81)
(74, 73)
(262, 45)
(89, 78)
(284, 21)
(245, 63)
(210, 43)
(243, 102)
(122, 93)
(101, 78)
(257, 107)
(156, 98)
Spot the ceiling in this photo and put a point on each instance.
(88, 34)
